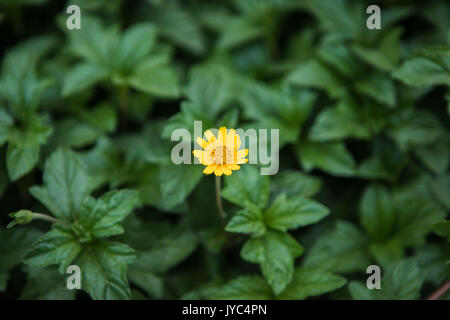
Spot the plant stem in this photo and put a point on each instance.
(219, 198)
(439, 292)
(49, 219)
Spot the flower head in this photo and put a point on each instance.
(221, 154)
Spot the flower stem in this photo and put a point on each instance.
(439, 292)
(219, 198)
(49, 219)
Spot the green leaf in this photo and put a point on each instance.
(93, 42)
(152, 283)
(180, 26)
(416, 212)
(103, 269)
(378, 87)
(238, 31)
(386, 54)
(244, 288)
(411, 128)
(46, 284)
(247, 185)
(23, 149)
(165, 251)
(275, 252)
(333, 158)
(82, 77)
(154, 76)
(66, 184)
(436, 155)
(210, 88)
(248, 220)
(58, 246)
(101, 217)
(177, 182)
(309, 283)
(430, 67)
(135, 44)
(6, 122)
(20, 159)
(377, 216)
(337, 17)
(343, 121)
(442, 228)
(292, 213)
(359, 291)
(295, 184)
(432, 260)
(441, 189)
(313, 74)
(388, 251)
(13, 247)
(402, 281)
(343, 249)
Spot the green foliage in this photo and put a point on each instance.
(86, 123)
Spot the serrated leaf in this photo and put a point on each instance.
(66, 184)
(247, 185)
(46, 284)
(378, 87)
(333, 158)
(23, 149)
(443, 229)
(103, 268)
(402, 281)
(135, 43)
(154, 76)
(177, 182)
(342, 121)
(292, 213)
(82, 77)
(412, 128)
(343, 249)
(376, 212)
(58, 246)
(315, 75)
(308, 282)
(244, 288)
(180, 26)
(431, 67)
(295, 183)
(275, 252)
(13, 246)
(101, 217)
(248, 220)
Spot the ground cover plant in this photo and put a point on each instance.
(87, 176)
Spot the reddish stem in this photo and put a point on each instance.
(439, 292)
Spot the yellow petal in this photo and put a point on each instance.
(242, 153)
(222, 135)
(226, 170)
(198, 154)
(201, 142)
(232, 139)
(242, 161)
(210, 169)
(210, 136)
(233, 166)
(218, 170)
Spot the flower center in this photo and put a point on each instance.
(222, 155)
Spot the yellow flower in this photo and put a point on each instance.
(221, 154)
